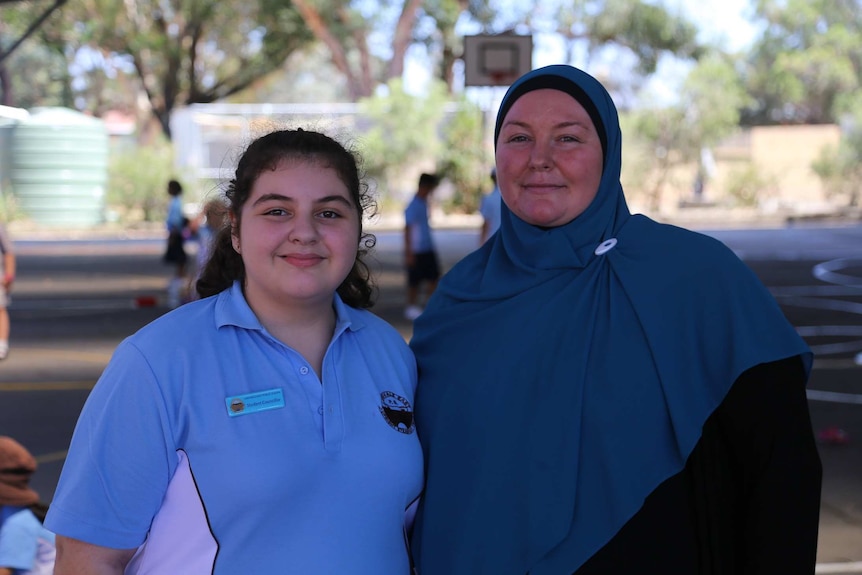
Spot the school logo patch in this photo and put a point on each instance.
(397, 412)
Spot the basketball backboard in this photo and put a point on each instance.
(496, 60)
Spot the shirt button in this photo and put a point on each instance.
(320, 410)
(303, 370)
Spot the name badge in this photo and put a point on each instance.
(254, 402)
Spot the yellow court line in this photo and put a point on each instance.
(47, 386)
(102, 357)
(51, 457)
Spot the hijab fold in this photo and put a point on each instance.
(559, 387)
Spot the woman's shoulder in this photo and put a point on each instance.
(676, 244)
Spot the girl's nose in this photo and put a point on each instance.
(303, 230)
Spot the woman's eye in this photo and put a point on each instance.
(275, 212)
(329, 214)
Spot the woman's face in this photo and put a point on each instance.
(298, 237)
(549, 158)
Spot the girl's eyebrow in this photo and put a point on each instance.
(283, 198)
(334, 198)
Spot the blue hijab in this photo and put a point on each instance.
(566, 372)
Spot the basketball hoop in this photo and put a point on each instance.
(501, 77)
(496, 60)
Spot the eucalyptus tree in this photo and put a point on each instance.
(179, 52)
(707, 111)
(806, 66)
(32, 68)
(197, 51)
(627, 37)
(27, 27)
(367, 41)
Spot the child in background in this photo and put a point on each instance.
(175, 252)
(7, 276)
(204, 229)
(26, 547)
(420, 254)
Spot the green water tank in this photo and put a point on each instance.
(60, 167)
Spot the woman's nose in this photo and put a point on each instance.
(540, 156)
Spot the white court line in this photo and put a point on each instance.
(830, 304)
(849, 567)
(834, 396)
(826, 330)
(826, 272)
(817, 290)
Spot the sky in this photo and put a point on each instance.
(723, 22)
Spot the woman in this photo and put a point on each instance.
(645, 410)
(266, 428)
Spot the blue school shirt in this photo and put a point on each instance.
(223, 444)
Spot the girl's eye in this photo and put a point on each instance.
(329, 214)
(275, 212)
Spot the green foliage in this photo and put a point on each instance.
(137, 182)
(712, 96)
(463, 159)
(175, 52)
(840, 168)
(638, 158)
(748, 186)
(646, 29)
(666, 141)
(402, 131)
(708, 110)
(36, 72)
(805, 60)
(9, 210)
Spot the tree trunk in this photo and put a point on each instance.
(321, 31)
(5, 86)
(402, 37)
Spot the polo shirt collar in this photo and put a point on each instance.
(231, 308)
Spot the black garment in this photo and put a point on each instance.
(175, 252)
(748, 500)
(426, 267)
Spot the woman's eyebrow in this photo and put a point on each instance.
(565, 124)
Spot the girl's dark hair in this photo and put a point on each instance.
(174, 188)
(225, 265)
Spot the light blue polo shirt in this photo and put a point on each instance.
(416, 217)
(490, 210)
(25, 545)
(225, 441)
